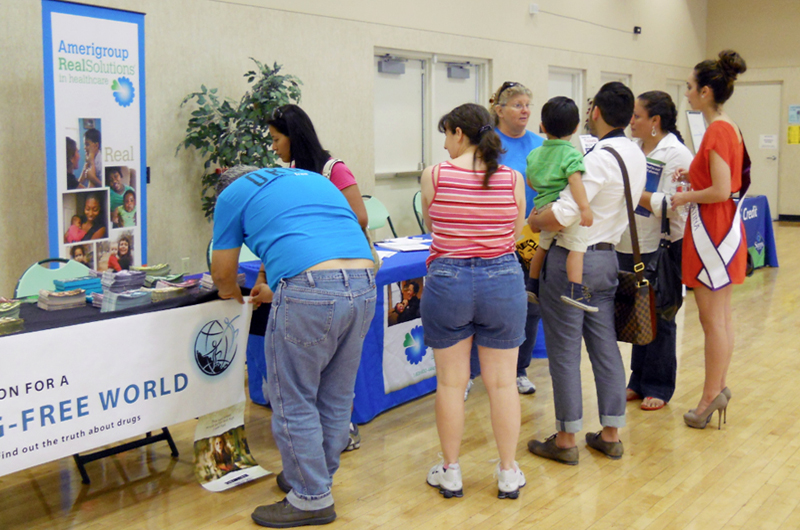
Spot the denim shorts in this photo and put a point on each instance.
(474, 296)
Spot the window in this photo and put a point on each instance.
(412, 92)
(607, 77)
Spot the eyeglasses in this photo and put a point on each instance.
(277, 114)
(518, 106)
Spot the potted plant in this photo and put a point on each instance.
(227, 133)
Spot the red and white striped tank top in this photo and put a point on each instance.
(468, 220)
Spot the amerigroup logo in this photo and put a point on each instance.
(215, 346)
(414, 344)
(123, 91)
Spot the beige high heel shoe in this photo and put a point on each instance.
(727, 392)
(699, 421)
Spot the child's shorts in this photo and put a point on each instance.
(572, 237)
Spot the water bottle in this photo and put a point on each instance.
(680, 188)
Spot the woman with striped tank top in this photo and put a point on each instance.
(474, 290)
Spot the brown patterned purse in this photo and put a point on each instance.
(635, 302)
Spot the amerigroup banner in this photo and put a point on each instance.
(95, 134)
(72, 389)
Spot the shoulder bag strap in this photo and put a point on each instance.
(327, 169)
(638, 266)
(664, 220)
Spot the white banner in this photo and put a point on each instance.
(406, 358)
(94, 121)
(72, 389)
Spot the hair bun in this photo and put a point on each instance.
(731, 64)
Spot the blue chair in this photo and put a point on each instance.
(377, 214)
(40, 276)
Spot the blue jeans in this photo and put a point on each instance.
(532, 319)
(484, 298)
(313, 348)
(565, 325)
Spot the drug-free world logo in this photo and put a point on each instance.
(123, 91)
(215, 346)
(414, 344)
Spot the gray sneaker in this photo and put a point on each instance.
(525, 385)
(355, 438)
(283, 515)
(612, 450)
(549, 449)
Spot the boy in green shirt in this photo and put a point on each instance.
(551, 168)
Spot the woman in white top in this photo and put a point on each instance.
(653, 366)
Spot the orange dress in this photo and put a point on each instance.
(721, 138)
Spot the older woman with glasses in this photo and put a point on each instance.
(510, 110)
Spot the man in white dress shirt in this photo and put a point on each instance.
(564, 325)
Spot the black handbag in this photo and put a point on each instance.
(664, 273)
(634, 302)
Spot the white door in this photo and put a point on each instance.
(566, 82)
(756, 109)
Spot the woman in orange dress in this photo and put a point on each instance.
(714, 244)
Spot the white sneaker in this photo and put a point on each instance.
(469, 387)
(525, 385)
(509, 481)
(447, 480)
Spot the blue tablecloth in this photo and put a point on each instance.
(758, 226)
(370, 397)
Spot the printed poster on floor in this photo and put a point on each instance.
(406, 358)
(95, 134)
(222, 456)
(73, 389)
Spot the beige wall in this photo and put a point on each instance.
(329, 45)
(765, 34)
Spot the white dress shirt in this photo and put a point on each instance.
(605, 189)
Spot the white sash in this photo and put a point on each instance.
(715, 260)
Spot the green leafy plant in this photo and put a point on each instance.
(227, 133)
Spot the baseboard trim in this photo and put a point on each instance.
(790, 218)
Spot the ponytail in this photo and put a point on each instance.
(475, 123)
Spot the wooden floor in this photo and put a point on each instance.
(745, 476)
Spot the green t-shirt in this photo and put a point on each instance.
(116, 199)
(549, 168)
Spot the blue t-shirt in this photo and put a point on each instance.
(516, 157)
(290, 218)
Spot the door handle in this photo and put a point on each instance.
(773, 157)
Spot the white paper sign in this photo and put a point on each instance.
(587, 142)
(768, 141)
(72, 389)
